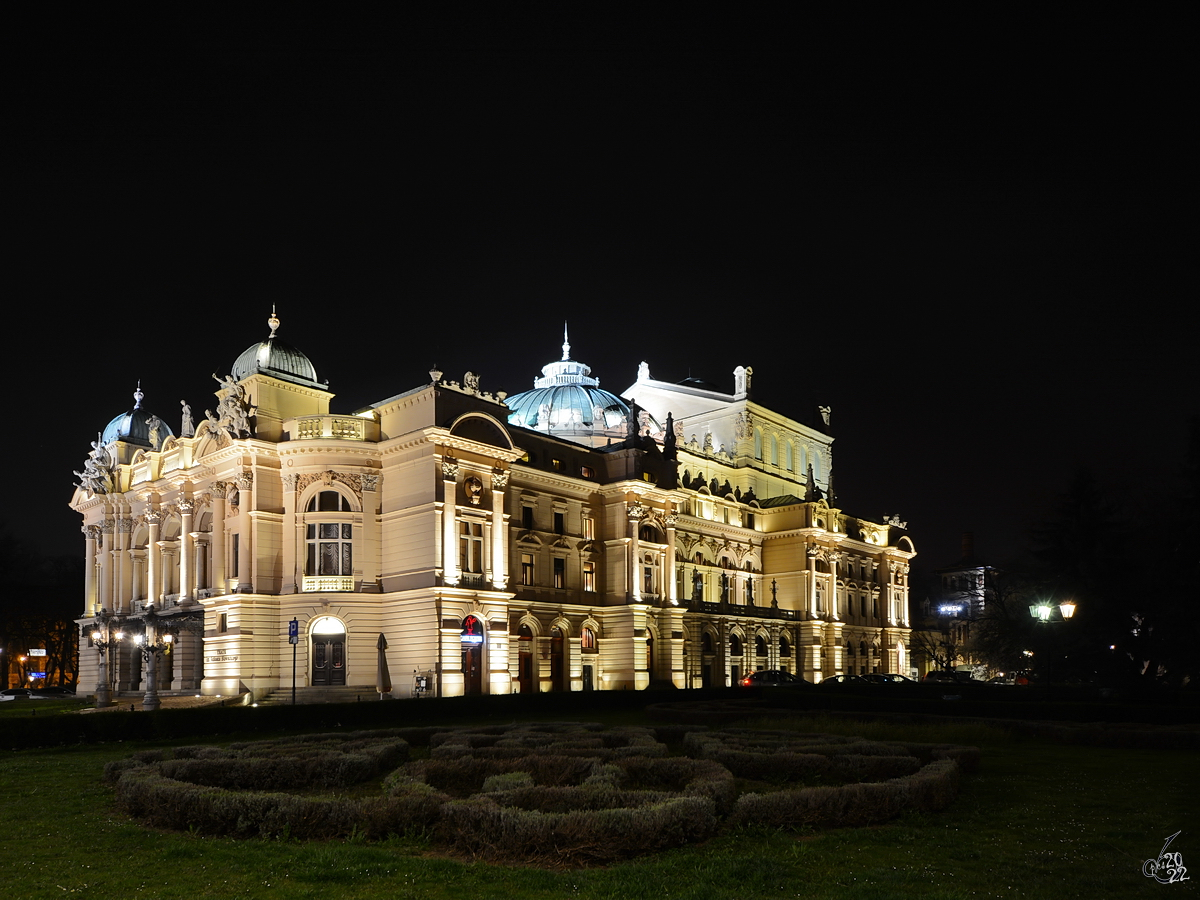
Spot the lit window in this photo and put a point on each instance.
(330, 549)
(589, 576)
(527, 568)
(587, 639)
(470, 547)
(589, 528)
(587, 471)
(557, 464)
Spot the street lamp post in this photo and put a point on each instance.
(102, 639)
(152, 646)
(1043, 613)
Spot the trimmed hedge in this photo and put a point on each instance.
(566, 794)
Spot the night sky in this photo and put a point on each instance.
(981, 273)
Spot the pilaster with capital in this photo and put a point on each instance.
(293, 550)
(245, 484)
(449, 520)
(499, 531)
(370, 532)
(186, 510)
(217, 580)
(154, 563)
(91, 602)
(635, 513)
(670, 582)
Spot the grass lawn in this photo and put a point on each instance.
(1039, 820)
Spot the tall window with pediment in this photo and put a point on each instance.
(470, 547)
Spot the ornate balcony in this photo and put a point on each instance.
(336, 428)
(327, 583)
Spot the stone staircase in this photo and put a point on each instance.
(343, 694)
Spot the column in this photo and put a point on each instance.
(200, 579)
(245, 481)
(810, 604)
(154, 563)
(449, 520)
(217, 581)
(186, 508)
(499, 532)
(91, 600)
(670, 582)
(123, 569)
(635, 513)
(105, 554)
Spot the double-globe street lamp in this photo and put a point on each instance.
(103, 638)
(1044, 613)
(149, 643)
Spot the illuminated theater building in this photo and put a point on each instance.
(562, 539)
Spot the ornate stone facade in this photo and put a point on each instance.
(493, 557)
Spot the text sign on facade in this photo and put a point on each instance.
(294, 632)
(37, 651)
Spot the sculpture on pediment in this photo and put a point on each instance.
(154, 425)
(233, 409)
(96, 477)
(186, 427)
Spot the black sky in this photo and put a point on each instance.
(980, 270)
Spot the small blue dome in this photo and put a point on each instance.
(134, 426)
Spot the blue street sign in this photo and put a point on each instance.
(293, 632)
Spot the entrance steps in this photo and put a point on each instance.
(305, 695)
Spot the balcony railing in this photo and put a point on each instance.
(327, 583)
(736, 609)
(338, 428)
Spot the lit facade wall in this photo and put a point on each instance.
(617, 567)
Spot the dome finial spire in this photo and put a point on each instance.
(566, 343)
(273, 322)
(138, 395)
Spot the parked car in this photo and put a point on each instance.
(54, 692)
(15, 694)
(887, 678)
(844, 679)
(943, 677)
(772, 678)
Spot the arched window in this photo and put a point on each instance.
(785, 648)
(650, 533)
(760, 646)
(587, 640)
(706, 643)
(735, 645)
(329, 545)
(774, 451)
(790, 456)
(757, 444)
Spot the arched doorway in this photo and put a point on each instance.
(525, 683)
(328, 639)
(472, 655)
(707, 659)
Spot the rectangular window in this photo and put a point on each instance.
(749, 520)
(560, 522)
(223, 623)
(557, 464)
(587, 471)
(470, 547)
(560, 572)
(527, 517)
(589, 576)
(527, 568)
(589, 528)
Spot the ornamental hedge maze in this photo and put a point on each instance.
(541, 794)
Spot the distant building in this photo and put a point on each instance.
(948, 621)
(565, 538)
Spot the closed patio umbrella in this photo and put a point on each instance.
(383, 680)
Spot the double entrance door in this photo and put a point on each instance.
(328, 660)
